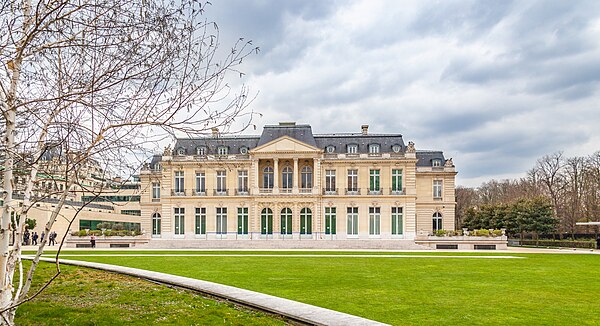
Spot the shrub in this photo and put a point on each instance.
(82, 233)
(108, 233)
(117, 227)
(122, 233)
(497, 233)
(96, 232)
(100, 226)
(482, 233)
(75, 233)
(440, 233)
(137, 232)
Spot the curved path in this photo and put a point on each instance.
(293, 310)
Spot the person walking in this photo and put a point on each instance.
(51, 237)
(93, 241)
(42, 236)
(34, 239)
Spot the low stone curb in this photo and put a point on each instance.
(291, 309)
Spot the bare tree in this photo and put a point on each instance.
(99, 79)
(549, 171)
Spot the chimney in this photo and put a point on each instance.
(365, 129)
(215, 131)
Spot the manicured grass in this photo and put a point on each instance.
(81, 296)
(541, 289)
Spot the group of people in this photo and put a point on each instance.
(34, 238)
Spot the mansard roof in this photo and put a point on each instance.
(302, 133)
(426, 157)
(341, 141)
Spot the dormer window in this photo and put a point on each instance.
(352, 149)
(243, 150)
(201, 151)
(374, 148)
(156, 166)
(396, 148)
(330, 149)
(180, 151)
(222, 150)
(436, 162)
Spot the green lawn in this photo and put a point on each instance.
(540, 289)
(82, 296)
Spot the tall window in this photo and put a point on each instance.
(306, 221)
(352, 180)
(287, 177)
(243, 181)
(352, 149)
(397, 221)
(268, 178)
(374, 180)
(200, 182)
(221, 181)
(266, 221)
(286, 221)
(329, 180)
(179, 220)
(221, 220)
(330, 222)
(200, 220)
(396, 180)
(374, 220)
(373, 148)
(437, 221)
(306, 177)
(155, 190)
(352, 221)
(242, 220)
(222, 150)
(437, 188)
(179, 182)
(156, 224)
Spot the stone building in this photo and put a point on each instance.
(291, 184)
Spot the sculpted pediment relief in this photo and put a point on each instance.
(285, 144)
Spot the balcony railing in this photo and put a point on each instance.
(177, 192)
(242, 192)
(220, 192)
(265, 190)
(330, 191)
(398, 191)
(155, 200)
(199, 192)
(305, 190)
(285, 190)
(375, 192)
(352, 191)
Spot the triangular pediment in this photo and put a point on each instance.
(285, 144)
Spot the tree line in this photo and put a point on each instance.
(565, 189)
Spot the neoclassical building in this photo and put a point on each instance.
(289, 183)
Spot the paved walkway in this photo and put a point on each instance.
(292, 309)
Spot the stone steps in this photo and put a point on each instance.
(283, 244)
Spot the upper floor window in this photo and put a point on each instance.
(242, 181)
(180, 151)
(287, 178)
(396, 148)
(156, 166)
(201, 151)
(221, 181)
(437, 221)
(222, 150)
(352, 149)
(436, 162)
(374, 180)
(268, 177)
(306, 177)
(352, 180)
(329, 180)
(179, 182)
(374, 148)
(396, 180)
(200, 182)
(437, 188)
(330, 149)
(155, 190)
(243, 150)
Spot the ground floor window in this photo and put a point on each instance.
(330, 220)
(352, 221)
(397, 222)
(179, 215)
(437, 221)
(306, 221)
(286, 221)
(221, 220)
(200, 220)
(374, 220)
(266, 221)
(156, 222)
(242, 220)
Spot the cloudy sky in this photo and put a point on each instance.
(494, 84)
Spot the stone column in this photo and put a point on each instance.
(256, 184)
(316, 176)
(275, 175)
(295, 176)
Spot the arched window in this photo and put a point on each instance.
(268, 177)
(266, 221)
(286, 221)
(156, 221)
(306, 177)
(287, 178)
(437, 221)
(306, 221)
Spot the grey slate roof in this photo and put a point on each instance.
(424, 158)
(233, 144)
(341, 141)
(302, 133)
